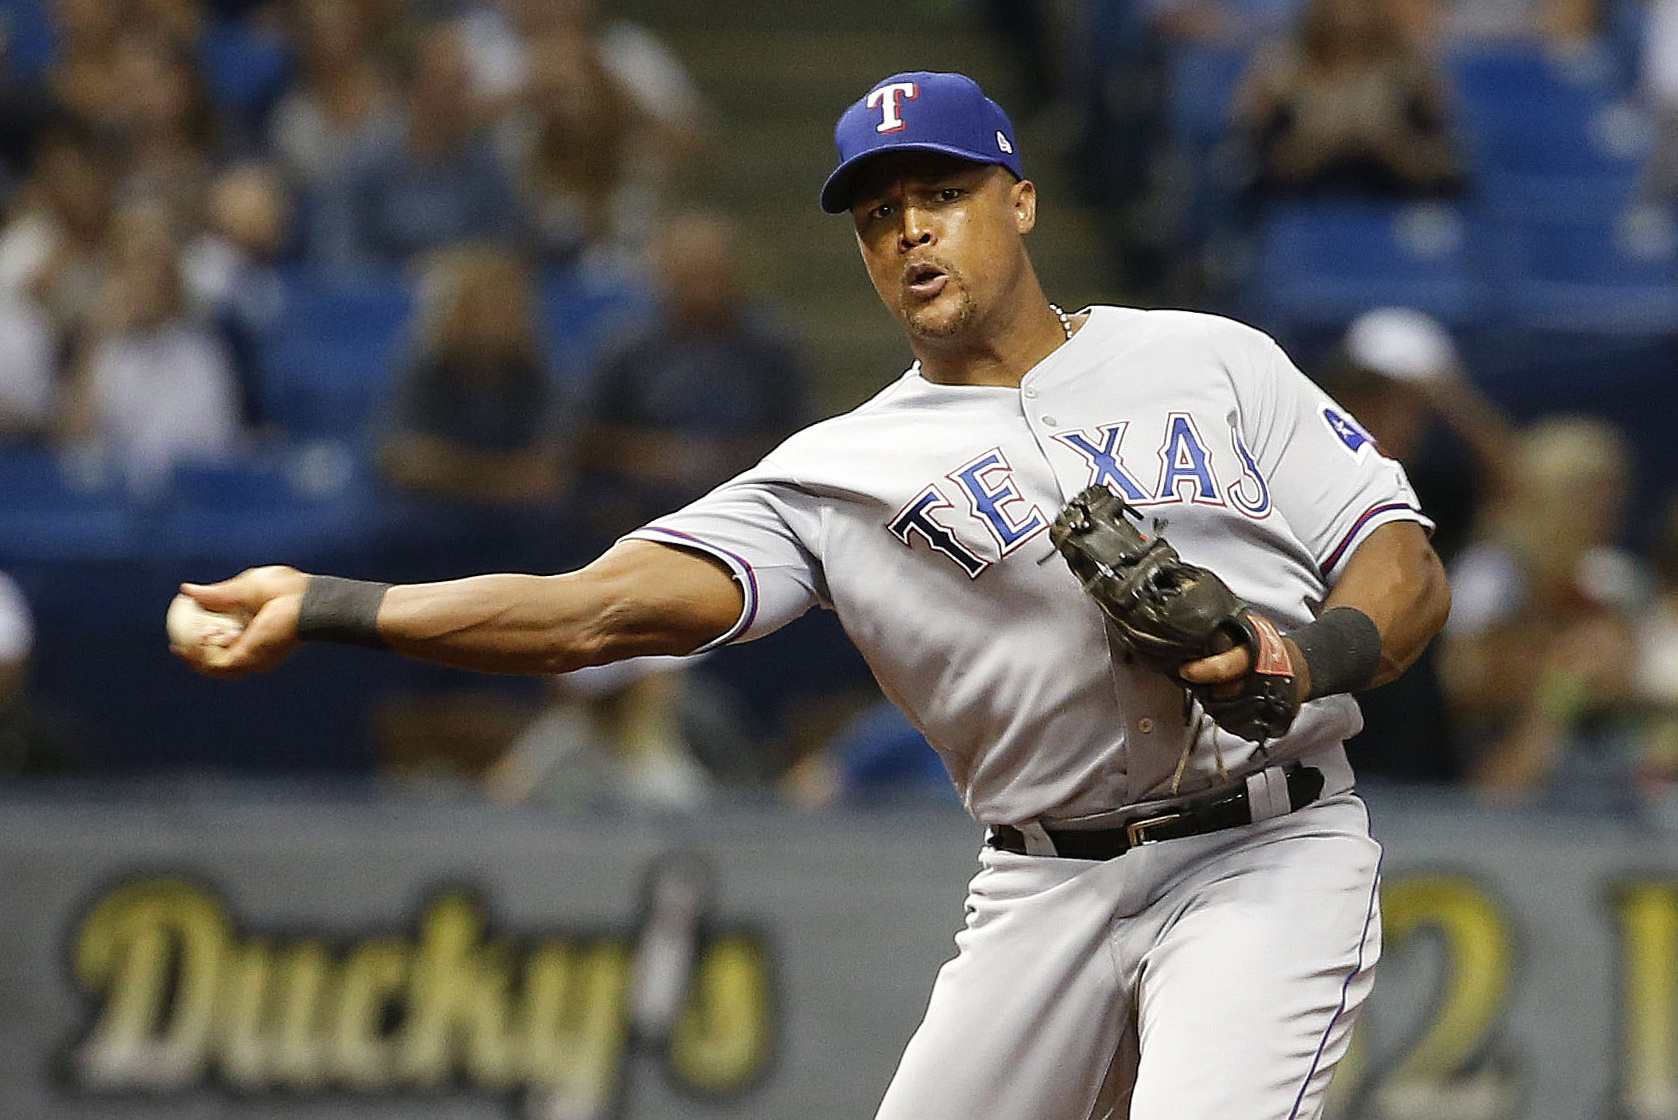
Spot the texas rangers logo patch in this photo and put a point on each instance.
(1347, 431)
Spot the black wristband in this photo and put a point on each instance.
(342, 610)
(1342, 650)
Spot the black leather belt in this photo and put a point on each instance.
(1192, 818)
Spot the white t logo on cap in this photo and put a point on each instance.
(1002, 142)
(888, 98)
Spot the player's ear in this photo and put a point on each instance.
(1023, 197)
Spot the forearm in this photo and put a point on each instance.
(636, 600)
(492, 623)
(505, 624)
(1395, 578)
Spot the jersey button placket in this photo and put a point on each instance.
(1145, 725)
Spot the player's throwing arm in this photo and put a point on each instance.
(639, 598)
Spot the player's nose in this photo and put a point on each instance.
(916, 229)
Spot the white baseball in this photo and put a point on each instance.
(190, 624)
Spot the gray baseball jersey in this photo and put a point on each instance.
(921, 518)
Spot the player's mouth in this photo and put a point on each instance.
(925, 280)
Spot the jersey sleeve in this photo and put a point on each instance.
(1326, 475)
(767, 532)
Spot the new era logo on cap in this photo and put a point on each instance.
(922, 111)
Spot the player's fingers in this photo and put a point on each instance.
(264, 643)
(249, 590)
(267, 640)
(224, 596)
(1230, 665)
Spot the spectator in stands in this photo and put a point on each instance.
(1398, 372)
(477, 439)
(609, 736)
(440, 181)
(343, 103)
(28, 371)
(53, 251)
(570, 144)
(500, 35)
(86, 76)
(178, 22)
(1347, 106)
(30, 742)
(1540, 651)
(151, 384)
(165, 126)
(1658, 184)
(702, 394)
(1222, 23)
(229, 270)
(1657, 672)
(667, 115)
(477, 416)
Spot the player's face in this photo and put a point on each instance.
(941, 237)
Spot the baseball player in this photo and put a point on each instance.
(1171, 919)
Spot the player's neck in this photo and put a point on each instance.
(1000, 350)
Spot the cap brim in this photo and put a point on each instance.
(836, 192)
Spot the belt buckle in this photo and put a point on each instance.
(1137, 831)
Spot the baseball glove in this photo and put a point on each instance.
(1166, 612)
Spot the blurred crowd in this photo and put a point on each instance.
(196, 194)
(1554, 681)
(189, 188)
(1197, 119)
(150, 211)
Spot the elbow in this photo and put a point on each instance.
(1436, 595)
(1427, 608)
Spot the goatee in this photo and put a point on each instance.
(918, 327)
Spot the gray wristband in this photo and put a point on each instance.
(1342, 650)
(342, 610)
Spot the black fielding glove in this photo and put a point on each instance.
(1165, 612)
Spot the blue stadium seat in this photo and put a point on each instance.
(296, 504)
(31, 39)
(1201, 81)
(315, 390)
(1618, 275)
(1528, 115)
(329, 357)
(882, 757)
(346, 308)
(585, 311)
(55, 508)
(1323, 262)
(1597, 196)
(245, 67)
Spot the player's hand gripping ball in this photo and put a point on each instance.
(1166, 612)
(194, 629)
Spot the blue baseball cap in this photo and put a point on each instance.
(921, 111)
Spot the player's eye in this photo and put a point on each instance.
(950, 194)
(881, 212)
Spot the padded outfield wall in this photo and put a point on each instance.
(262, 954)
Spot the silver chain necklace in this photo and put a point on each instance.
(1065, 320)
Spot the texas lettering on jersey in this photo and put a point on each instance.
(1180, 469)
